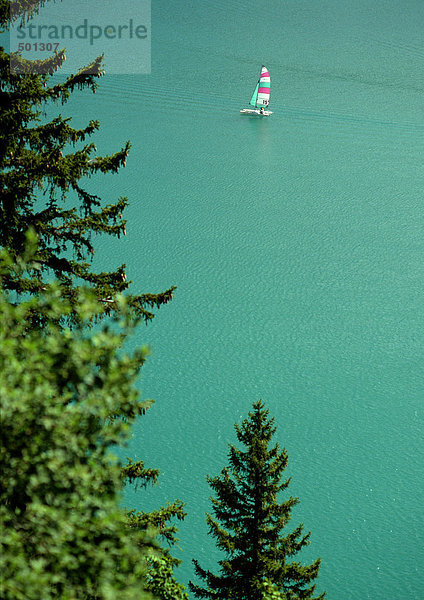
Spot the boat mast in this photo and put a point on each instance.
(259, 79)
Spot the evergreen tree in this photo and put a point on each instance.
(249, 523)
(42, 179)
(42, 188)
(64, 534)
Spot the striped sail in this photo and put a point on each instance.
(264, 88)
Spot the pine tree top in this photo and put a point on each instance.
(250, 514)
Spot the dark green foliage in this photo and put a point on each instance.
(43, 170)
(159, 521)
(63, 533)
(161, 580)
(160, 568)
(270, 592)
(135, 472)
(19, 9)
(249, 523)
(44, 167)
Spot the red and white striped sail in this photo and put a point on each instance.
(264, 89)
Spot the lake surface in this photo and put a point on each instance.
(296, 243)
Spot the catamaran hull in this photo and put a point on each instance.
(255, 113)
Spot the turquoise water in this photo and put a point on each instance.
(296, 244)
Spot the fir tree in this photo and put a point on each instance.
(42, 190)
(249, 522)
(43, 166)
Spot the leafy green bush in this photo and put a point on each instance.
(63, 533)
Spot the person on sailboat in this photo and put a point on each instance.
(262, 110)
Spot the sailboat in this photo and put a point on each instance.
(260, 98)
